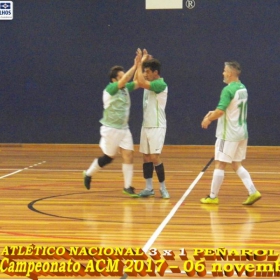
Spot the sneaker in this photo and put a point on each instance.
(209, 200)
(252, 198)
(146, 193)
(211, 208)
(130, 191)
(87, 180)
(164, 193)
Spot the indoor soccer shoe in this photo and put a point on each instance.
(252, 198)
(130, 191)
(209, 200)
(164, 193)
(146, 193)
(87, 180)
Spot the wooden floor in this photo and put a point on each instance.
(44, 203)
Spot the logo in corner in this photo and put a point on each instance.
(6, 10)
(190, 4)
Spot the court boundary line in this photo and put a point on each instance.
(19, 170)
(172, 212)
(117, 171)
(106, 171)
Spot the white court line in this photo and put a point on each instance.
(10, 174)
(171, 214)
(19, 170)
(117, 171)
(108, 171)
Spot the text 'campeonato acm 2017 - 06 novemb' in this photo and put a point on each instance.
(33, 261)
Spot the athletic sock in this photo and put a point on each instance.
(217, 180)
(149, 184)
(162, 185)
(94, 167)
(127, 170)
(246, 179)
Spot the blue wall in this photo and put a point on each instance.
(55, 56)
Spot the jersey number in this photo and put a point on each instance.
(243, 113)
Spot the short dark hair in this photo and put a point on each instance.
(234, 65)
(153, 64)
(113, 73)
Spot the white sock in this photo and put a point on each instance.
(162, 185)
(149, 184)
(127, 170)
(217, 180)
(246, 179)
(94, 167)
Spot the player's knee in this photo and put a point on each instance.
(235, 165)
(102, 161)
(155, 159)
(127, 156)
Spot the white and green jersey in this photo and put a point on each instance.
(154, 102)
(232, 126)
(116, 104)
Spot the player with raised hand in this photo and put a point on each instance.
(115, 132)
(153, 129)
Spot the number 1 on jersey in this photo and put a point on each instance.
(243, 113)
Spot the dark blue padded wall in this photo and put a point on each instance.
(55, 56)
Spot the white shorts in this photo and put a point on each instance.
(113, 138)
(152, 140)
(227, 151)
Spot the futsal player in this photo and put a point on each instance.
(231, 134)
(154, 122)
(115, 132)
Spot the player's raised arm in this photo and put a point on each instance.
(140, 78)
(129, 74)
(138, 61)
